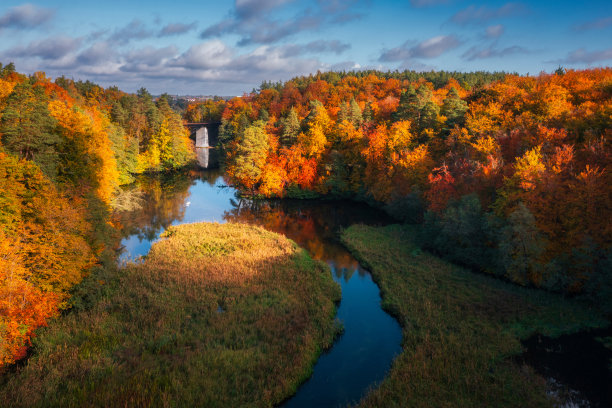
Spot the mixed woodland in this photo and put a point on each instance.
(65, 148)
(508, 175)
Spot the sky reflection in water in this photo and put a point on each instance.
(363, 354)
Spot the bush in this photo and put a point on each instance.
(463, 233)
(409, 209)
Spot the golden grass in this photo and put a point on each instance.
(217, 316)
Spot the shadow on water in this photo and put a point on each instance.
(361, 357)
(577, 367)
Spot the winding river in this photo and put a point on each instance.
(363, 354)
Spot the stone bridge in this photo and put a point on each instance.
(204, 134)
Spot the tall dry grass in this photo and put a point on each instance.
(216, 316)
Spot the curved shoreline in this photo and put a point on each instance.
(461, 329)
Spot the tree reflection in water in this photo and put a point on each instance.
(314, 225)
(363, 354)
(152, 203)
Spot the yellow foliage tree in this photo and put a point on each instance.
(89, 130)
(43, 252)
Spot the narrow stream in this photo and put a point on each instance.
(362, 356)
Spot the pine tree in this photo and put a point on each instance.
(291, 128)
(423, 95)
(367, 113)
(264, 116)
(408, 108)
(429, 116)
(355, 115)
(343, 114)
(454, 109)
(7, 70)
(28, 130)
(154, 117)
(119, 114)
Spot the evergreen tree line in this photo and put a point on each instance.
(437, 78)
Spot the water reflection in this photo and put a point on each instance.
(153, 203)
(313, 225)
(203, 156)
(371, 339)
(207, 157)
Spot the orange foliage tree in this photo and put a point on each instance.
(44, 252)
(532, 148)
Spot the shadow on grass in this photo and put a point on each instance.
(154, 336)
(460, 328)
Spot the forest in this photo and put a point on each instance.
(508, 175)
(65, 148)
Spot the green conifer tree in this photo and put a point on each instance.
(355, 115)
(291, 128)
(409, 106)
(28, 129)
(454, 109)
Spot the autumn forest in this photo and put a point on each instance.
(506, 176)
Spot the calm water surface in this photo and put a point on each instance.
(361, 357)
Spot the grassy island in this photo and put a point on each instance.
(217, 315)
(460, 329)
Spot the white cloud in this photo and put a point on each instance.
(494, 31)
(48, 49)
(206, 55)
(588, 57)
(478, 15)
(430, 48)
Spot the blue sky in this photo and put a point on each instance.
(230, 47)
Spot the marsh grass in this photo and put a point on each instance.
(216, 316)
(460, 329)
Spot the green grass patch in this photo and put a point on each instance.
(460, 329)
(217, 316)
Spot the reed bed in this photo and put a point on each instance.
(217, 315)
(461, 330)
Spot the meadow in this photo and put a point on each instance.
(217, 315)
(461, 330)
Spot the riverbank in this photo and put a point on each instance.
(460, 329)
(216, 315)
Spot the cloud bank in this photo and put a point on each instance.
(25, 16)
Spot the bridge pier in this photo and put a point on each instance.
(201, 137)
(203, 132)
(205, 136)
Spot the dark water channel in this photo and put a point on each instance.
(577, 367)
(362, 356)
